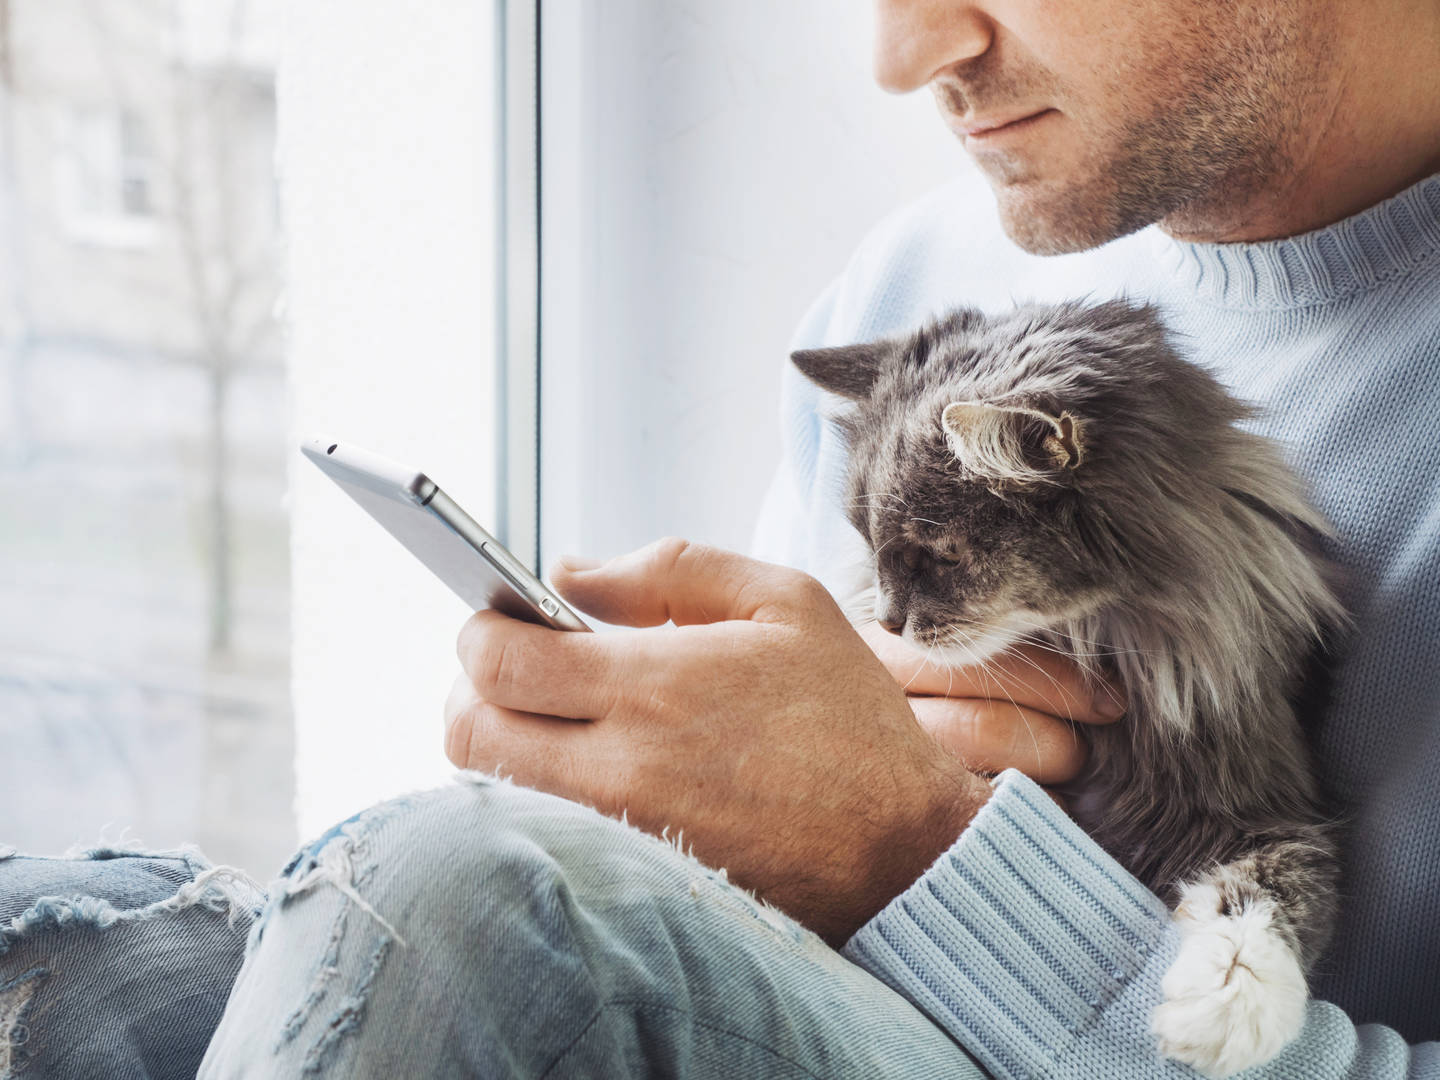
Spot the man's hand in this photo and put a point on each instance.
(760, 724)
(1016, 711)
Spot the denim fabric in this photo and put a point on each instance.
(487, 930)
(116, 965)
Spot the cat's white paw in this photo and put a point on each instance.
(1235, 994)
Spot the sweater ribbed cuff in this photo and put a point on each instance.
(1018, 936)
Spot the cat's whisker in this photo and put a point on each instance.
(887, 543)
(1101, 648)
(983, 666)
(919, 670)
(1083, 655)
(929, 652)
(1012, 650)
(1043, 625)
(1074, 731)
(1059, 651)
(879, 495)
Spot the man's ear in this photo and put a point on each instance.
(848, 370)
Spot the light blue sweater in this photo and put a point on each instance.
(1025, 940)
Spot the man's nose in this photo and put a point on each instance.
(915, 39)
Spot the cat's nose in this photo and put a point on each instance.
(895, 626)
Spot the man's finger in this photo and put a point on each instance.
(544, 752)
(989, 736)
(1027, 675)
(534, 669)
(674, 580)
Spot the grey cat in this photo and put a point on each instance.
(1060, 475)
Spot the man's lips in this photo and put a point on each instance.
(984, 128)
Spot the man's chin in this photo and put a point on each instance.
(1050, 219)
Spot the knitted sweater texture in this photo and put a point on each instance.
(1028, 943)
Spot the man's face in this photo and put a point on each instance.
(1094, 118)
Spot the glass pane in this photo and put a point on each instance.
(136, 165)
(93, 158)
(144, 565)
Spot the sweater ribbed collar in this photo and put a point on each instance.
(1377, 245)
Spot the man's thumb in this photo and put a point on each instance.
(671, 580)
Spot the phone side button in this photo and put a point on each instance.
(515, 571)
(549, 606)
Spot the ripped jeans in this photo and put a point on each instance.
(479, 929)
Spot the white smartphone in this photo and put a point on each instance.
(414, 510)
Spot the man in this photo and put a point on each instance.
(1284, 147)
(1288, 151)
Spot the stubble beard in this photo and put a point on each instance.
(1179, 170)
(1225, 139)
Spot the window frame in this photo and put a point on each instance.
(517, 323)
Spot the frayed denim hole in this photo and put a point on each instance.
(221, 889)
(289, 867)
(476, 778)
(16, 997)
(354, 826)
(326, 968)
(350, 1014)
(342, 861)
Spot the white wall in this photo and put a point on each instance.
(706, 170)
(386, 159)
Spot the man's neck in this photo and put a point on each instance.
(1373, 131)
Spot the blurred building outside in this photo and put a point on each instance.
(144, 593)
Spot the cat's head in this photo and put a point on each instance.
(1013, 472)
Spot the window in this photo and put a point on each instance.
(107, 174)
(144, 539)
(201, 639)
(136, 167)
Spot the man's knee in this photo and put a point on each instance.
(443, 911)
(435, 858)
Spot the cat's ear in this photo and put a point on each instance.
(847, 370)
(1012, 442)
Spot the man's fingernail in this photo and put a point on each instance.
(579, 563)
(1109, 704)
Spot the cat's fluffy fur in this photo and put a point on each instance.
(1060, 474)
